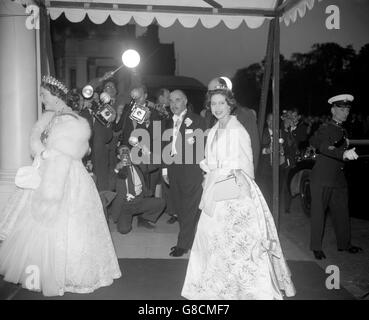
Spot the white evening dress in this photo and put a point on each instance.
(236, 252)
(55, 237)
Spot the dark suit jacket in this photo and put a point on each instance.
(182, 144)
(121, 186)
(100, 138)
(293, 143)
(328, 168)
(126, 125)
(248, 119)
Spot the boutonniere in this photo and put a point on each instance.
(188, 122)
(191, 140)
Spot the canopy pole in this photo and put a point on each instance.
(266, 79)
(276, 54)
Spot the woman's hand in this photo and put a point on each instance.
(242, 183)
(48, 153)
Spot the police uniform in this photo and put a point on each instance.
(328, 182)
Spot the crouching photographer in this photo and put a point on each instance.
(133, 197)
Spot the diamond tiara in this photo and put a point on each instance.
(54, 82)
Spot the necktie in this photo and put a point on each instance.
(130, 181)
(177, 122)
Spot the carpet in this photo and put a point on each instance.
(162, 279)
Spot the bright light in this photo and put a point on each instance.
(228, 82)
(130, 58)
(87, 91)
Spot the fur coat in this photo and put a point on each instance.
(61, 139)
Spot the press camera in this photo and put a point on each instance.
(100, 106)
(139, 113)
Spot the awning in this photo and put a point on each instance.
(188, 12)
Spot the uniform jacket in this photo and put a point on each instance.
(328, 169)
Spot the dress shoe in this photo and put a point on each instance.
(352, 249)
(141, 222)
(319, 254)
(172, 219)
(178, 252)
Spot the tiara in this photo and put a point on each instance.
(221, 87)
(54, 82)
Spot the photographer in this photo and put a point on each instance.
(132, 121)
(129, 121)
(99, 140)
(133, 197)
(294, 137)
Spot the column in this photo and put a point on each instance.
(18, 92)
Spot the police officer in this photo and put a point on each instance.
(328, 182)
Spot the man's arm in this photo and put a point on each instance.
(97, 82)
(323, 140)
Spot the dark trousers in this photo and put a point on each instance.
(154, 179)
(185, 192)
(336, 200)
(148, 208)
(166, 196)
(122, 211)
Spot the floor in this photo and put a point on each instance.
(156, 243)
(354, 268)
(149, 248)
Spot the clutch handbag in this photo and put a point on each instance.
(28, 177)
(226, 189)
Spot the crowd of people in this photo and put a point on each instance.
(97, 157)
(325, 139)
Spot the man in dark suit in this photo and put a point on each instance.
(133, 197)
(328, 182)
(162, 99)
(99, 141)
(294, 140)
(184, 174)
(245, 115)
(265, 169)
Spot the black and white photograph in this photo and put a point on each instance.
(185, 154)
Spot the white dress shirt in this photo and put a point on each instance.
(177, 122)
(136, 181)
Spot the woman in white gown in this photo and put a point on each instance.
(54, 234)
(236, 252)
